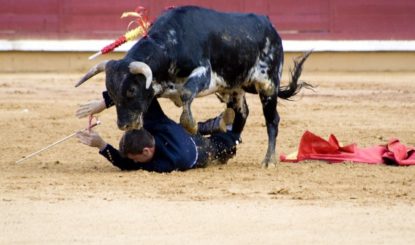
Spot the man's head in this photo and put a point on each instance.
(137, 145)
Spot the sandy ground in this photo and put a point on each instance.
(70, 194)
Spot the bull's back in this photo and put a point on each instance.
(231, 41)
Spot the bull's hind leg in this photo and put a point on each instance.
(272, 119)
(268, 94)
(199, 80)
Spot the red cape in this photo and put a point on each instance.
(313, 147)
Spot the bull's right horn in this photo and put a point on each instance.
(137, 67)
(92, 72)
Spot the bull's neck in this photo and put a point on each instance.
(150, 52)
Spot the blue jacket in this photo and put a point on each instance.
(174, 147)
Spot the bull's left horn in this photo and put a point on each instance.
(137, 67)
(92, 72)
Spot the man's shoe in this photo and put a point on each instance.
(217, 124)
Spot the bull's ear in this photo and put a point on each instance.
(137, 67)
(92, 72)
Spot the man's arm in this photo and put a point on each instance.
(93, 139)
(107, 99)
(154, 113)
(95, 106)
(114, 156)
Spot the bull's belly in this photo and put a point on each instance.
(257, 78)
(217, 84)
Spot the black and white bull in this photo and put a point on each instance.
(191, 52)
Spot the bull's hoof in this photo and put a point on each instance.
(269, 162)
(188, 123)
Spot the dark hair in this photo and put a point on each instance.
(134, 141)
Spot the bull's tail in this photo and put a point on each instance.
(295, 86)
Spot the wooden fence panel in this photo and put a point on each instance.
(301, 19)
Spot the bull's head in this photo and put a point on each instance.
(129, 86)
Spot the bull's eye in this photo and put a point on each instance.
(130, 92)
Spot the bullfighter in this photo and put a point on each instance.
(162, 145)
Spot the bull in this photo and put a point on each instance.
(192, 51)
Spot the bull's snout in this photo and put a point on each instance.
(125, 125)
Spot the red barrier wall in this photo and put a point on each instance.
(300, 19)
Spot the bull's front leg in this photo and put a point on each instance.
(198, 81)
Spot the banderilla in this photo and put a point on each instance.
(57, 142)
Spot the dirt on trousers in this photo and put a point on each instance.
(72, 195)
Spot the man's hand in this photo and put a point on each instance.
(90, 108)
(91, 138)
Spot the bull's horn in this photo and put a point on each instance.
(137, 67)
(92, 72)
